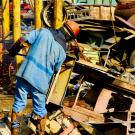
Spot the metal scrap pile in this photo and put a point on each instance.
(105, 39)
(57, 123)
(109, 46)
(93, 98)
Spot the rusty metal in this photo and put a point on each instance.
(129, 23)
(96, 12)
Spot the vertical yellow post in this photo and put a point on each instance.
(17, 25)
(58, 13)
(16, 20)
(37, 11)
(5, 15)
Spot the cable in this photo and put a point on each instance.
(110, 1)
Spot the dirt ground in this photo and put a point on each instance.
(6, 102)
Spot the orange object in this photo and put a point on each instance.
(10, 6)
(72, 27)
(25, 44)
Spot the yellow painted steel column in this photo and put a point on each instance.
(72, 1)
(5, 16)
(58, 13)
(16, 20)
(37, 12)
(17, 25)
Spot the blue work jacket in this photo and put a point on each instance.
(45, 56)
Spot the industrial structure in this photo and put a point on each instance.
(94, 91)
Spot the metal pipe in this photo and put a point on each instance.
(37, 11)
(17, 25)
(5, 19)
(58, 13)
(16, 20)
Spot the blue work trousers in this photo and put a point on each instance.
(23, 88)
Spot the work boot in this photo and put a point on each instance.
(41, 126)
(14, 123)
(37, 124)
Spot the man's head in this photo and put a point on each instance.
(72, 29)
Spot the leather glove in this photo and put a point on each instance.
(13, 51)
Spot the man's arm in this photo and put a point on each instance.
(59, 63)
(17, 46)
(25, 41)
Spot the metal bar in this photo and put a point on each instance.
(5, 20)
(58, 13)
(37, 12)
(52, 85)
(77, 96)
(16, 20)
(16, 24)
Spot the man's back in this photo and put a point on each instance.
(44, 57)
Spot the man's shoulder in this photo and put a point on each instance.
(44, 31)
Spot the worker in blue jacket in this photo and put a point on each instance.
(47, 52)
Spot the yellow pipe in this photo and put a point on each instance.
(58, 13)
(16, 20)
(17, 25)
(72, 1)
(5, 15)
(37, 12)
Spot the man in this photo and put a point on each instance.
(47, 51)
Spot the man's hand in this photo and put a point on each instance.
(13, 51)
